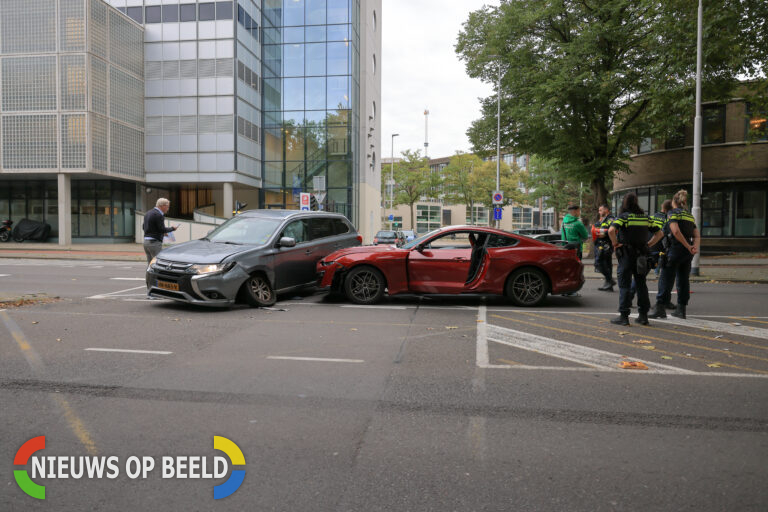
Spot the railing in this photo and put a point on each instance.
(205, 215)
(188, 229)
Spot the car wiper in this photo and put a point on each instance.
(230, 242)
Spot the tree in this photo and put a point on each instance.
(413, 180)
(547, 182)
(459, 182)
(510, 179)
(584, 80)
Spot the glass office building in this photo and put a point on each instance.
(72, 112)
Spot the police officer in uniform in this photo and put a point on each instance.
(659, 251)
(604, 249)
(629, 234)
(684, 242)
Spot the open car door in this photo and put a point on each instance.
(450, 263)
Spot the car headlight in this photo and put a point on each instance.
(152, 262)
(210, 269)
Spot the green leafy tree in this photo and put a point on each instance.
(459, 182)
(510, 179)
(547, 181)
(413, 180)
(584, 80)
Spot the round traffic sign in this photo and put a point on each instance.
(497, 197)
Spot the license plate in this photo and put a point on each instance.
(165, 285)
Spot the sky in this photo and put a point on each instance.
(420, 70)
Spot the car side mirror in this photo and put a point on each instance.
(287, 241)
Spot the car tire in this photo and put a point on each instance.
(258, 292)
(18, 239)
(527, 287)
(5, 236)
(364, 285)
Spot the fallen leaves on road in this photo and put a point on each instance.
(714, 365)
(58, 339)
(26, 301)
(666, 357)
(353, 329)
(35, 322)
(451, 327)
(632, 365)
(641, 341)
(718, 336)
(735, 323)
(649, 347)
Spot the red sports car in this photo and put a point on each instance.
(454, 260)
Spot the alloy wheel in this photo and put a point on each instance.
(528, 288)
(365, 285)
(261, 289)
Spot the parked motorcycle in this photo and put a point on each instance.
(5, 230)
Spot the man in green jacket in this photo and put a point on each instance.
(574, 231)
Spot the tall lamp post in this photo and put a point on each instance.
(498, 135)
(696, 210)
(392, 179)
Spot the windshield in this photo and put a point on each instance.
(415, 242)
(245, 230)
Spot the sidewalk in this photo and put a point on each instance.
(737, 267)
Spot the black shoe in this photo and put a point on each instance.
(669, 305)
(679, 312)
(606, 286)
(613, 282)
(658, 311)
(642, 318)
(620, 320)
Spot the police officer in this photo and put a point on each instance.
(604, 249)
(684, 242)
(658, 251)
(629, 234)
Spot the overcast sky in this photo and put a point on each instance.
(420, 69)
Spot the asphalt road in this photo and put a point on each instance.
(419, 404)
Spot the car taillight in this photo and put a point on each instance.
(360, 238)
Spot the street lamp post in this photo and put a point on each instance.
(696, 210)
(392, 180)
(498, 135)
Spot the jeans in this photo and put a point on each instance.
(625, 273)
(678, 267)
(604, 261)
(152, 248)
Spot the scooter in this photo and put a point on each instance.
(5, 230)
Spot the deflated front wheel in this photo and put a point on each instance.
(258, 292)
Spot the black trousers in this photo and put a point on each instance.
(678, 267)
(625, 273)
(604, 261)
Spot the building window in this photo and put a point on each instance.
(750, 213)
(223, 10)
(136, 14)
(187, 12)
(479, 216)
(152, 14)
(206, 11)
(170, 13)
(645, 146)
(427, 218)
(713, 124)
(757, 129)
(716, 212)
(676, 140)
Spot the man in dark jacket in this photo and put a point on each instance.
(155, 229)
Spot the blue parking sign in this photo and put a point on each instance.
(497, 214)
(391, 217)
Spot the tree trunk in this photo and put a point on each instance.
(599, 193)
(413, 226)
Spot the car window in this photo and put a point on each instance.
(320, 227)
(340, 227)
(501, 241)
(244, 230)
(454, 240)
(297, 230)
(417, 241)
(385, 234)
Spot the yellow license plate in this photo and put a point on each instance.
(165, 285)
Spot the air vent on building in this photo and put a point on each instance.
(225, 67)
(188, 68)
(206, 68)
(206, 124)
(188, 125)
(224, 124)
(153, 70)
(171, 69)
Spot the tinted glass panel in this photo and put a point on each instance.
(321, 227)
(136, 13)
(187, 12)
(713, 125)
(152, 14)
(223, 10)
(207, 11)
(297, 230)
(501, 241)
(340, 227)
(170, 13)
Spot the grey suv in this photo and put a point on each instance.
(251, 258)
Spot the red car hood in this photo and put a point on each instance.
(365, 249)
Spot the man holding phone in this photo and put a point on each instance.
(155, 229)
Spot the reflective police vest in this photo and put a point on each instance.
(634, 229)
(605, 242)
(685, 222)
(660, 220)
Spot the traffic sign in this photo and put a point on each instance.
(498, 197)
(304, 201)
(391, 217)
(497, 213)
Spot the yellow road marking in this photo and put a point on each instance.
(76, 424)
(507, 361)
(600, 338)
(675, 342)
(747, 319)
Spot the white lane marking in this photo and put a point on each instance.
(739, 330)
(481, 350)
(160, 352)
(4, 275)
(111, 294)
(372, 307)
(595, 358)
(128, 278)
(319, 359)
